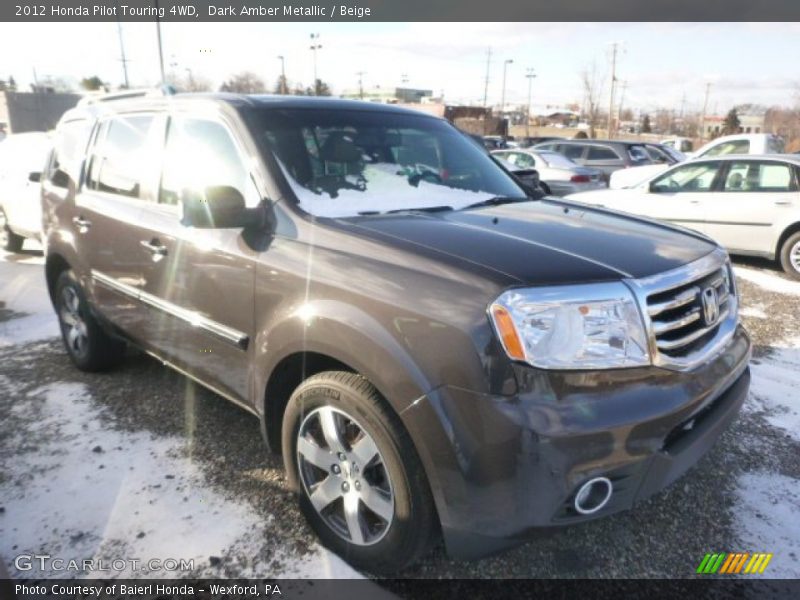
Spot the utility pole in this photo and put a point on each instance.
(486, 80)
(614, 46)
(315, 45)
(507, 62)
(705, 108)
(160, 48)
(122, 53)
(284, 91)
(360, 84)
(621, 101)
(530, 74)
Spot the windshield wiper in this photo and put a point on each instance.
(442, 208)
(497, 201)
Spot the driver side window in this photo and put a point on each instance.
(687, 178)
(199, 154)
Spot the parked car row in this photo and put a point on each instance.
(558, 175)
(748, 203)
(744, 143)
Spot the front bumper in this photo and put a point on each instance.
(502, 465)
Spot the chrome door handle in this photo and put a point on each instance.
(81, 223)
(155, 248)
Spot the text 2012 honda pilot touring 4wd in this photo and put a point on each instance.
(433, 352)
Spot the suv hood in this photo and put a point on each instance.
(542, 242)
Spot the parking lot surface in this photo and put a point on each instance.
(141, 463)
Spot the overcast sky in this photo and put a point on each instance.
(745, 62)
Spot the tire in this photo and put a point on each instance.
(9, 241)
(89, 347)
(391, 481)
(790, 256)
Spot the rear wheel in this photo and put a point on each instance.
(89, 347)
(790, 256)
(361, 484)
(9, 241)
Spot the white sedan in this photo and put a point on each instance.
(750, 204)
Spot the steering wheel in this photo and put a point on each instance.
(428, 176)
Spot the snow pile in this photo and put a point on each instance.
(88, 491)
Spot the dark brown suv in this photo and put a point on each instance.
(433, 352)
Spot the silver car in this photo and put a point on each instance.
(558, 175)
(750, 204)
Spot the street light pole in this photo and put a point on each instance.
(160, 48)
(122, 53)
(705, 108)
(507, 62)
(315, 45)
(530, 74)
(283, 75)
(360, 84)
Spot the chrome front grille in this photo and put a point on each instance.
(677, 315)
(683, 329)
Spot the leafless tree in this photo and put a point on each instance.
(245, 82)
(593, 83)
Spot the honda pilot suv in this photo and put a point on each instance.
(434, 353)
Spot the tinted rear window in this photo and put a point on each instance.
(638, 154)
(601, 153)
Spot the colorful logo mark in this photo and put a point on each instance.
(735, 562)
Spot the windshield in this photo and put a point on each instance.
(342, 163)
(557, 161)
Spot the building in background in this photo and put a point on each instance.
(21, 112)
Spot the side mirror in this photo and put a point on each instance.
(35, 176)
(220, 207)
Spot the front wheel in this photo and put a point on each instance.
(89, 347)
(790, 256)
(9, 241)
(360, 481)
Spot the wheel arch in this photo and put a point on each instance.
(787, 233)
(55, 264)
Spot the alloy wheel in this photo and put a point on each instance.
(344, 476)
(794, 256)
(75, 330)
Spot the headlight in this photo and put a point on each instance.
(593, 326)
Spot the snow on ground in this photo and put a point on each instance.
(756, 312)
(93, 492)
(768, 504)
(766, 512)
(137, 495)
(769, 280)
(776, 387)
(25, 292)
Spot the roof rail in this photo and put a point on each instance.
(95, 98)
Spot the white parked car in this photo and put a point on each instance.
(558, 175)
(740, 143)
(22, 158)
(750, 204)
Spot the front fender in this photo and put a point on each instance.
(349, 335)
